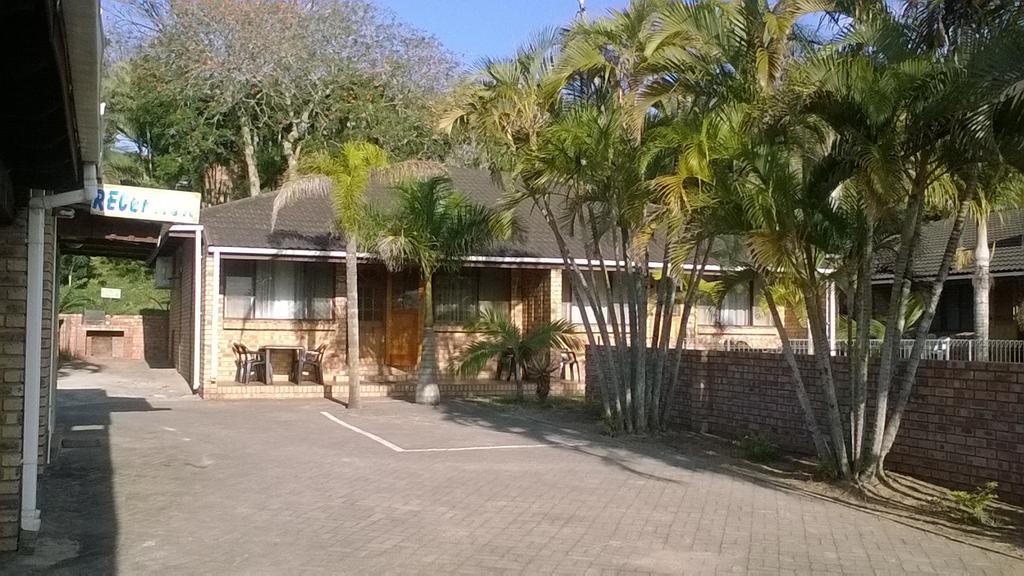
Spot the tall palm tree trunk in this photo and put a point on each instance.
(898, 296)
(861, 350)
(352, 319)
(823, 358)
(696, 275)
(905, 383)
(982, 288)
(427, 390)
(821, 446)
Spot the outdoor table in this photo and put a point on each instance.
(300, 354)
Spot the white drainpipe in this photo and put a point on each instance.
(198, 279)
(38, 207)
(33, 361)
(215, 319)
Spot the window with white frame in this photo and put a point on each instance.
(738, 308)
(278, 289)
(572, 312)
(460, 296)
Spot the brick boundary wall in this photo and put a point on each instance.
(964, 425)
(136, 337)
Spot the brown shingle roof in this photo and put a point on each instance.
(308, 225)
(1004, 227)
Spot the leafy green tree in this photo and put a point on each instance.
(259, 82)
(431, 228)
(501, 339)
(156, 137)
(82, 278)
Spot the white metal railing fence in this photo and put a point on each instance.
(1003, 351)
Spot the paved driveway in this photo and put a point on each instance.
(174, 485)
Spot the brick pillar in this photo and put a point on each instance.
(520, 294)
(554, 286)
(212, 308)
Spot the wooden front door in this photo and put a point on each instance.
(404, 322)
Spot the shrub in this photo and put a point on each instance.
(974, 506)
(825, 471)
(758, 448)
(609, 427)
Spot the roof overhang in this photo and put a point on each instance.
(88, 235)
(882, 279)
(84, 29)
(479, 261)
(50, 58)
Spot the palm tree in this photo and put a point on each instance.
(1000, 189)
(343, 179)
(431, 229)
(502, 339)
(955, 28)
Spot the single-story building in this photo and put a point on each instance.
(954, 317)
(285, 285)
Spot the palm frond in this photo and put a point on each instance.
(310, 187)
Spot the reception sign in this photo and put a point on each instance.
(146, 204)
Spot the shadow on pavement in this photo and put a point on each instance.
(901, 499)
(76, 492)
(69, 366)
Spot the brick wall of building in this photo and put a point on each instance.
(311, 333)
(254, 333)
(133, 337)
(964, 425)
(13, 306)
(179, 325)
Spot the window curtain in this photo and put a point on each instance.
(736, 307)
(239, 290)
(319, 291)
(287, 290)
(456, 296)
(495, 291)
(277, 289)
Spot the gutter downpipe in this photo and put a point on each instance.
(39, 204)
(215, 319)
(198, 279)
(30, 519)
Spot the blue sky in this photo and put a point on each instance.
(473, 29)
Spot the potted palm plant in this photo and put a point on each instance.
(529, 353)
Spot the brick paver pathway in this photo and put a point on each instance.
(175, 486)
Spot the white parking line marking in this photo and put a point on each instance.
(398, 448)
(358, 430)
(506, 447)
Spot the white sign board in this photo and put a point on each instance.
(110, 293)
(146, 204)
